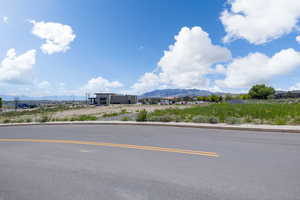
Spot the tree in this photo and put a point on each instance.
(261, 91)
(228, 97)
(1, 104)
(215, 98)
(244, 96)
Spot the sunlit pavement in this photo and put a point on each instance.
(136, 162)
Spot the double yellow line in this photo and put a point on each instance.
(128, 146)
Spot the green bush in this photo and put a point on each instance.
(296, 121)
(141, 116)
(123, 111)
(110, 115)
(83, 118)
(19, 121)
(28, 120)
(125, 118)
(44, 118)
(279, 121)
(257, 121)
(213, 120)
(200, 119)
(233, 120)
(6, 121)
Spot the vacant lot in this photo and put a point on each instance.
(81, 113)
(100, 110)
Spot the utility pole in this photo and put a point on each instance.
(87, 95)
(16, 102)
(86, 98)
(1, 104)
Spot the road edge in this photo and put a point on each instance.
(242, 127)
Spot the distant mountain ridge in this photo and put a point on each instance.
(177, 93)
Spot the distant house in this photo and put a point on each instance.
(112, 98)
(289, 94)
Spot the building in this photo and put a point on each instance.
(112, 98)
(288, 94)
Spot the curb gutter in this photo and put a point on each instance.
(242, 127)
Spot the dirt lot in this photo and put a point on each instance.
(99, 110)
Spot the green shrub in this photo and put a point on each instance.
(44, 118)
(110, 115)
(280, 121)
(6, 121)
(28, 120)
(125, 118)
(200, 119)
(257, 121)
(233, 120)
(296, 121)
(177, 118)
(187, 118)
(248, 119)
(213, 120)
(83, 118)
(141, 116)
(123, 111)
(19, 121)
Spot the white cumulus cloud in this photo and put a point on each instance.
(149, 81)
(298, 39)
(14, 68)
(295, 87)
(260, 21)
(44, 85)
(5, 19)
(186, 62)
(100, 84)
(259, 68)
(57, 36)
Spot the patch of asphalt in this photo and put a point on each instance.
(242, 127)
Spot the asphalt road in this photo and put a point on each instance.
(100, 162)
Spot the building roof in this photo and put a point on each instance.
(105, 93)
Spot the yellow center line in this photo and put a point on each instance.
(105, 144)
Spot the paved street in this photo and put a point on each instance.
(135, 162)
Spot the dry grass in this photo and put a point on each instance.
(100, 110)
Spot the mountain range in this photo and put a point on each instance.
(177, 93)
(155, 93)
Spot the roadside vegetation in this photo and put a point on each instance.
(256, 113)
(258, 107)
(42, 109)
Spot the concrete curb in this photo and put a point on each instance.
(242, 127)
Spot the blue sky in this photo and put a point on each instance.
(119, 45)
